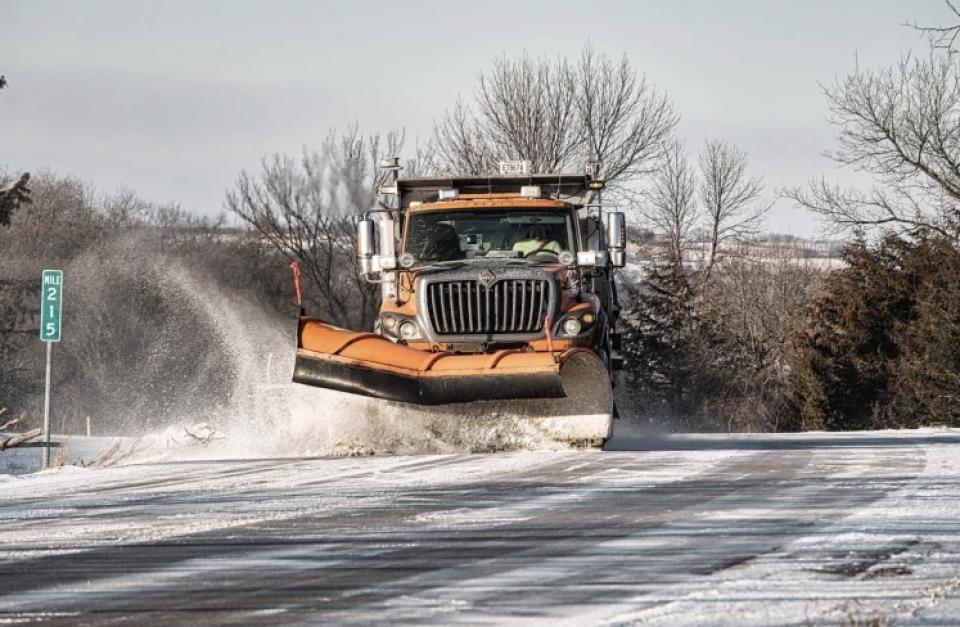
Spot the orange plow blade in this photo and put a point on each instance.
(367, 364)
(567, 394)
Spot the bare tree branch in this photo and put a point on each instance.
(625, 121)
(901, 125)
(941, 37)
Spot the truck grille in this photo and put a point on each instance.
(507, 306)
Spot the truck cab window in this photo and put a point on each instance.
(438, 236)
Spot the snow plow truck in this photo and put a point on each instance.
(498, 296)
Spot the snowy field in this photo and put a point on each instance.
(681, 530)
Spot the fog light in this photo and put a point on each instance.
(389, 323)
(406, 260)
(588, 318)
(408, 330)
(566, 258)
(571, 326)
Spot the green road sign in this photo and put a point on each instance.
(50, 305)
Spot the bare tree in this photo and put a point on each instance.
(305, 209)
(731, 199)
(670, 205)
(720, 199)
(125, 207)
(461, 144)
(901, 126)
(553, 113)
(425, 160)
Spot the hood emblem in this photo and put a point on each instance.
(487, 278)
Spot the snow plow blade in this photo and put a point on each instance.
(369, 365)
(564, 395)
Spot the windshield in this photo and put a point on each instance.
(437, 236)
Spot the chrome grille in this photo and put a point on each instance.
(507, 306)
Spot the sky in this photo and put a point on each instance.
(175, 98)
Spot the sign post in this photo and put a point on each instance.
(51, 300)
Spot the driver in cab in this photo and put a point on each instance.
(537, 239)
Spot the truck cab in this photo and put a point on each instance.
(473, 265)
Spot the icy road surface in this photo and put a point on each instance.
(786, 529)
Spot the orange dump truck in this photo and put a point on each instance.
(497, 292)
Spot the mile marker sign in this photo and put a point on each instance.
(50, 305)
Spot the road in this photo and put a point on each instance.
(802, 529)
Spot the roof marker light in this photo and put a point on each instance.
(530, 191)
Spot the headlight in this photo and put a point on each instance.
(408, 330)
(407, 260)
(571, 326)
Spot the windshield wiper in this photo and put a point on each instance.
(442, 265)
(531, 262)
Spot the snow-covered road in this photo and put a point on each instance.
(773, 529)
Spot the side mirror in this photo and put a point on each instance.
(387, 260)
(366, 246)
(617, 238)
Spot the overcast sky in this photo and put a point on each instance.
(174, 98)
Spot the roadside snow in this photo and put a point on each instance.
(896, 561)
(74, 450)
